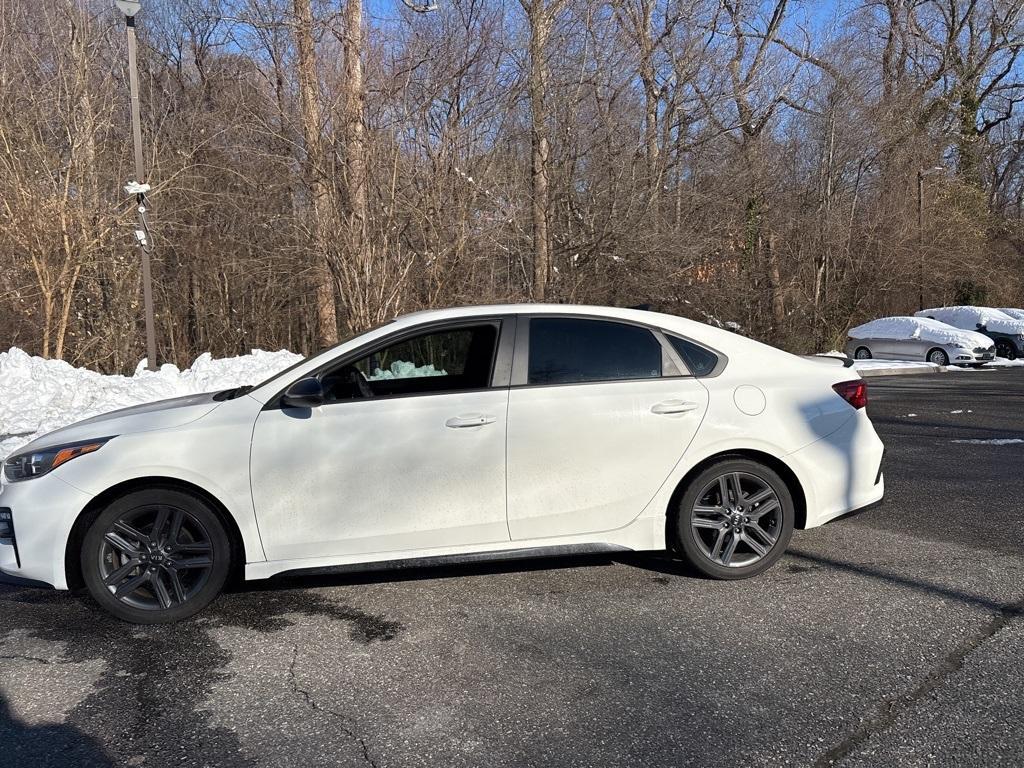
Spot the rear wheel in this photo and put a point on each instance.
(156, 556)
(1005, 349)
(862, 353)
(938, 356)
(734, 520)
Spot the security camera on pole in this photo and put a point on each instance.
(138, 188)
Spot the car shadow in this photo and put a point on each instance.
(58, 744)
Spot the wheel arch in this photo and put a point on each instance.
(73, 547)
(772, 462)
(937, 347)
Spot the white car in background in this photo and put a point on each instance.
(918, 338)
(1005, 331)
(482, 432)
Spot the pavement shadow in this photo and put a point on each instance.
(47, 745)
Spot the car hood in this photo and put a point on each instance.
(163, 414)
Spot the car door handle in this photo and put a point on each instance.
(474, 420)
(674, 406)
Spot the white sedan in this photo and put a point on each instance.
(462, 433)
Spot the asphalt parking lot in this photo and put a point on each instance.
(893, 637)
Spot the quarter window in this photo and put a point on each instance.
(569, 350)
(700, 361)
(448, 360)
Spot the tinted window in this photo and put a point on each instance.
(700, 361)
(448, 360)
(569, 350)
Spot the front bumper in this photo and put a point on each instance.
(967, 357)
(42, 512)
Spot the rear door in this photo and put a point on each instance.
(599, 414)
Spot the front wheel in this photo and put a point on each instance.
(734, 520)
(862, 353)
(156, 556)
(938, 357)
(1006, 349)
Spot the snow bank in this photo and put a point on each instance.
(969, 318)
(38, 396)
(1016, 314)
(400, 369)
(923, 328)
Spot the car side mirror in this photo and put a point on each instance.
(304, 393)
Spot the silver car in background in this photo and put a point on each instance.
(919, 338)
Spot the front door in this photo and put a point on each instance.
(408, 452)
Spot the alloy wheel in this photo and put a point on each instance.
(736, 520)
(156, 557)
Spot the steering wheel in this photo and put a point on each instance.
(358, 378)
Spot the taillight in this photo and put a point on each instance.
(853, 392)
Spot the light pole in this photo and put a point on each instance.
(138, 187)
(921, 173)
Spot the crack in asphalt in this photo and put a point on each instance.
(890, 710)
(313, 704)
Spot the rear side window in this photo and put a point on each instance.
(700, 361)
(568, 350)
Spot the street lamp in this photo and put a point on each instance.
(921, 173)
(139, 188)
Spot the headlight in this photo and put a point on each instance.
(25, 466)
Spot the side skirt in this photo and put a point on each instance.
(561, 550)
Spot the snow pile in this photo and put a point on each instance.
(923, 328)
(38, 395)
(970, 318)
(403, 370)
(1016, 314)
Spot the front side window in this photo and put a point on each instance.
(570, 350)
(446, 360)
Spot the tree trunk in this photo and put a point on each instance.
(539, 17)
(326, 316)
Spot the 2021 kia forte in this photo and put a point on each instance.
(483, 431)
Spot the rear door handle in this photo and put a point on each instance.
(674, 406)
(473, 420)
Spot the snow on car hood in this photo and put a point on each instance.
(969, 318)
(38, 396)
(922, 328)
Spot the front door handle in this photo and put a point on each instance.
(674, 406)
(473, 420)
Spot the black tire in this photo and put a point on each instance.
(862, 353)
(169, 578)
(1006, 350)
(941, 358)
(690, 542)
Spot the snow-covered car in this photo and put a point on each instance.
(1016, 314)
(483, 432)
(1007, 332)
(918, 338)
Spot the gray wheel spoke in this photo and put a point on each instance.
(764, 509)
(176, 585)
(126, 530)
(131, 585)
(193, 547)
(160, 589)
(702, 509)
(121, 573)
(172, 533)
(749, 541)
(762, 534)
(760, 496)
(163, 514)
(192, 562)
(730, 549)
(723, 489)
(719, 540)
(121, 544)
(703, 522)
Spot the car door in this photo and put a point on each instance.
(407, 453)
(897, 345)
(599, 414)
